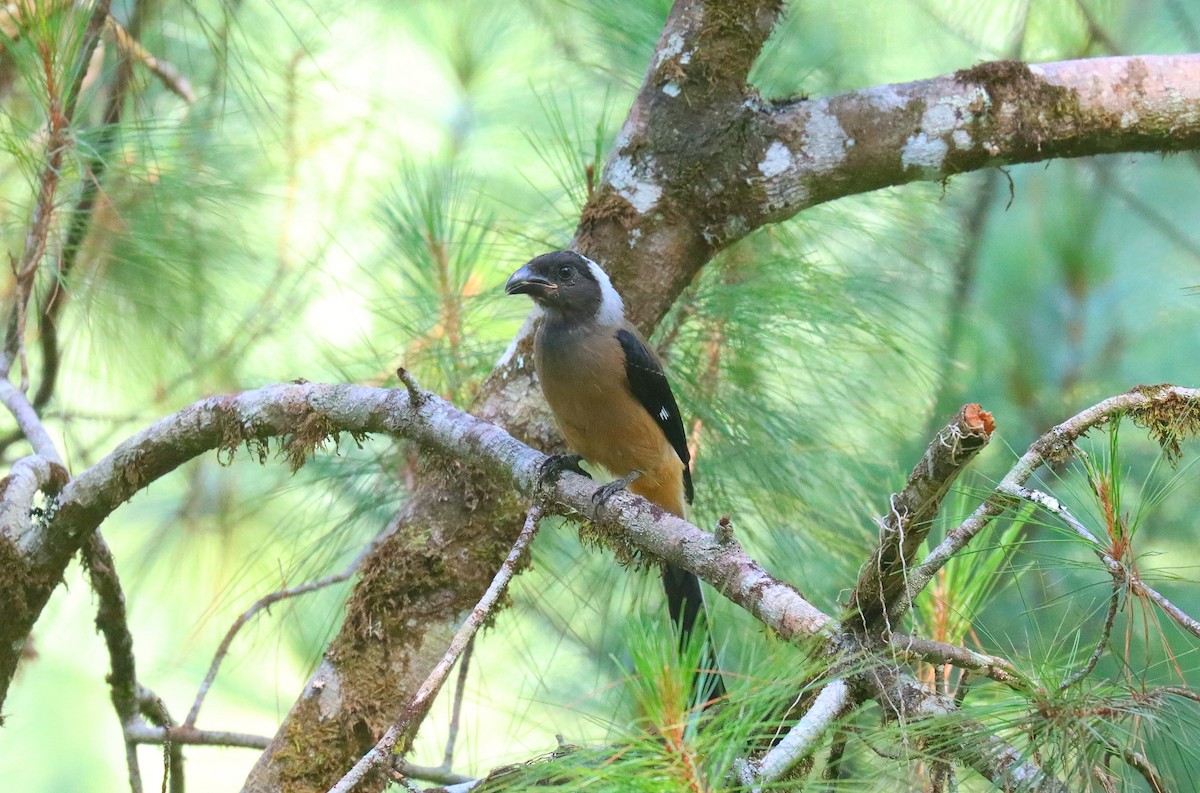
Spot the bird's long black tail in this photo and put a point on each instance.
(685, 602)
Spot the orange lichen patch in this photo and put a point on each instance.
(975, 417)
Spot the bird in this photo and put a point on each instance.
(612, 401)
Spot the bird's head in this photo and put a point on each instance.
(569, 286)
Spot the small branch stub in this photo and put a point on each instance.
(883, 578)
(415, 395)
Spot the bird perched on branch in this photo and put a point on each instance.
(611, 400)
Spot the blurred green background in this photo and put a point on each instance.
(350, 191)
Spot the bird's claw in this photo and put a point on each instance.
(554, 466)
(602, 495)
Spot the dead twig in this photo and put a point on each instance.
(171, 78)
(113, 624)
(883, 578)
(264, 602)
(433, 683)
(1055, 446)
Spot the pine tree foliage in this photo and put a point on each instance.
(346, 195)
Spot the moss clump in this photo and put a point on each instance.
(1168, 417)
(1013, 84)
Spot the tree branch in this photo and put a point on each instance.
(999, 669)
(440, 775)
(309, 414)
(171, 78)
(111, 621)
(415, 710)
(155, 711)
(969, 742)
(654, 220)
(28, 421)
(883, 577)
(28, 476)
(265, 602)
(141, 733)
(831, 704)
(1122, 575)
(992, 114)
(1114, 602)
(1165, 410)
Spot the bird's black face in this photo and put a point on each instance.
(561, 283)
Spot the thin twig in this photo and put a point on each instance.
(1174, 691)
(168, 75)
(248, 614)
(1114, 603)
(460, 687)
(994, 667)
(1115, 567)
(833, 701)
(112, 622)
(1185, 620)
(415, 394)
(439, 775)
(1143, 766)
(28, 421)
(1056, 445)
(155, 711)
(1149, 213)
(433, 683)
(963, 688)
(833, 763)
(142, 733)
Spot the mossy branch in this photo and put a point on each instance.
(290, 412)
(1168, 412)
(911, 513)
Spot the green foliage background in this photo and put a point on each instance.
(349, 193)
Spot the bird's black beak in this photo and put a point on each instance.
(525, 282)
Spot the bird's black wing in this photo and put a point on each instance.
(649, 386)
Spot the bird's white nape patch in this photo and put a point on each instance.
(612, 308)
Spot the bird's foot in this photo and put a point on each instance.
(554, 466)
(601, 496)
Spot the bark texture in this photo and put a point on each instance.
(700, 162)
(456, 527)
(885, 575)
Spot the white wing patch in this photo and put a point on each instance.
(612, 308)
(663, 413)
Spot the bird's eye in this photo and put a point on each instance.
(565, 271)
